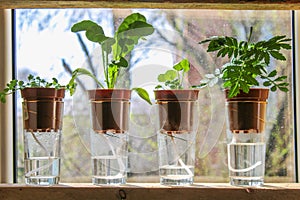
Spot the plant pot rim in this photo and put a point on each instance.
(257, 94)
(42, 93)
(105, 94)
(176, 95)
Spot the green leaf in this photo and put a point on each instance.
(158, 87)
(170, 75)
(244, 86)
(267, 83)
(281, 78)
(2, 97)
(283, 84)
(284, 89)
(161, 78)
(143, 94)
(285, 46)
(133, 28)
(233, 91)
(182, 65)
(273, 73)
(94, 32)
(121, 63)
(277, 55)
(273, 88)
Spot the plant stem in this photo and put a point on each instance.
(105, 62)
(250, 34)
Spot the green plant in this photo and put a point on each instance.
(173, 78)
(133, 28)
(248, 63)
(33, 82)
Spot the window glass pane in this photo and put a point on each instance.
(45, 46)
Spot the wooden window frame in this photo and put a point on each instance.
(133, 190)
(168, 4)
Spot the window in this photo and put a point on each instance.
(45, 46)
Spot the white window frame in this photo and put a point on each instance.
(6, 110)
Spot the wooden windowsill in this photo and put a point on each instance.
(170, 4)
(153, 191)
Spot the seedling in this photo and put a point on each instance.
(174, 78)
(33, 82)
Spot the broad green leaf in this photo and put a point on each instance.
(124, 26)
(170, 75)
(133, 28)
(182, 65)
(106, 45)
(143, 94)
(121, 63)
(84, 25)
(94, 32)
(161, 78)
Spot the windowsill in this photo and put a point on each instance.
(145, 191)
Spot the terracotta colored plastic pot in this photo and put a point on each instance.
(110, 109)
(247, 111)
(42, 109)
(176, 110)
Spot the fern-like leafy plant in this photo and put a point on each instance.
(248, 63)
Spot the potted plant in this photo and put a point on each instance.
(42, 123)
(246, 101)
(110, 105)
(177, 109)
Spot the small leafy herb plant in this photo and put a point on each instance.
(33, 82)
(114, 49)
(174, 78)
(248, 63)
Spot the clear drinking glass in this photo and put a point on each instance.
(42, 121)
(109, 158)
(42, 157)
(176, 158)
(109, 137)
(177, 111)
(246, 159)
(246, 117)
